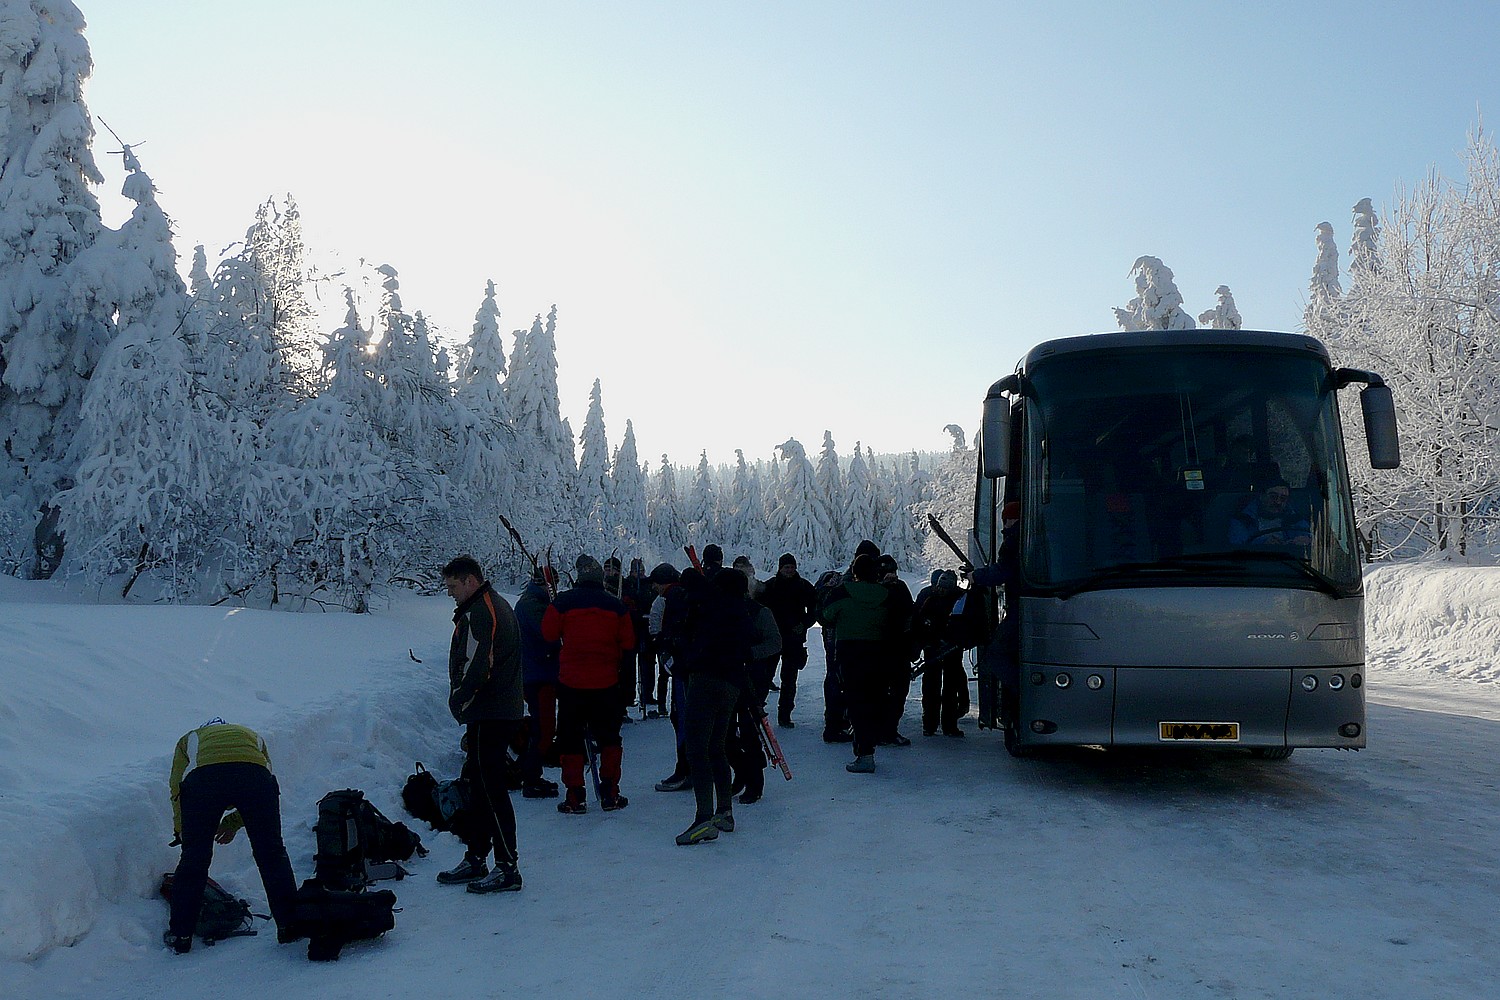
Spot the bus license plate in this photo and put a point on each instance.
(1200, 732)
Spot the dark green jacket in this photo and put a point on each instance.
(858, 610)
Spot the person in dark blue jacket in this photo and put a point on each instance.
(538, 684)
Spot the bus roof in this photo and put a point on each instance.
(1152, 339)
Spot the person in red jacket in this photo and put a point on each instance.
(595, 630)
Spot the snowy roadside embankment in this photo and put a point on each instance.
(1432, 618)
(92, 699)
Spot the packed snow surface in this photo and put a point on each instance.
(954, 869)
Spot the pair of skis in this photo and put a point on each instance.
(768, 741)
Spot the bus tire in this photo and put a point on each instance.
(1013, 743)
(1271, 753)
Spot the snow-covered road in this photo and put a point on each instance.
(954, 869)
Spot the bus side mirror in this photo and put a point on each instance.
(994, 437)
(1380, 426)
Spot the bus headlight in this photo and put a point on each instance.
(1309, 683)
(1063, 680)
(1336, 682)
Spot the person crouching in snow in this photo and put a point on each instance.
(221, 768)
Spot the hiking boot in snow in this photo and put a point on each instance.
(179, 943)
(838, 736)
(699, 832)
(675, 782)
(724, 820)
(612, 799)
(750, 797)
(289, 934)
(786, 724)
(953, 731)
(505, 878)
(864, 764)
(540, 788)
(470, 869)
(574, 804)
(894, 740)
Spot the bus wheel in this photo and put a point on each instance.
(1013, 743)
(1271, 753)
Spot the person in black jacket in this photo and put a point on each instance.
(484, 678)
(897, 651)
(717, 664)
(794, 602)
(538, 684)
(943, 679)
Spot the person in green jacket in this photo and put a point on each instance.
(860, 613)
(221, 782)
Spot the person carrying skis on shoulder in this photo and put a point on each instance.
(217, 768)
(538, 684)
(594, 629)
(485, 697)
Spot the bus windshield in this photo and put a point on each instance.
(1184, 467)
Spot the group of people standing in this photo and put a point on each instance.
(551, 680)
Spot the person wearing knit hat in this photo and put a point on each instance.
(794, 602)
(595, 629)
(866, 548)
(713, 560)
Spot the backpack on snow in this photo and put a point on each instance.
(442, 805)
(356, 844)
(221, 915)
(331, 918)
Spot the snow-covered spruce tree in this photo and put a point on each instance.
(664, 513)
(333, 510)
(743, 513)
(628, 486)
(906, 536)
(702, 507)
(800, 519)
(1157, 304)
(1324, 293)
(53, 328)
(546, 496)
(1425, 312)
(1364, 244)
(859, 511)
(1224, 315)
(950, 498)
(153, 461)
(595, 486)
(831, 494)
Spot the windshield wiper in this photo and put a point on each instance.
(1325, 583)
(1144, 571)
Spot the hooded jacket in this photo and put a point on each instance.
(595, 631)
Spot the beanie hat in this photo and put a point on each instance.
(864, 568)
(787, 559)
(1011, 511)
(867, 548)
(947, 579)
(886, 563)
(713, 554)
(664, 573)
(586, 567)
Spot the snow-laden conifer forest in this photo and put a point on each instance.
(217, 439)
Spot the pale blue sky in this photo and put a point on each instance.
(763, 220)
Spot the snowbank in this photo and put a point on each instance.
(1437, 619)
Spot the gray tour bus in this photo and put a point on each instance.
(1186, 569)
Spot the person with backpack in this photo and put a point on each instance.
(861, 614)
(793, 601)
(221, 781)
(594, 628)
(944, 682)
(485, 697)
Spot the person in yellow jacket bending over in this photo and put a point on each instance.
(219, 768)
